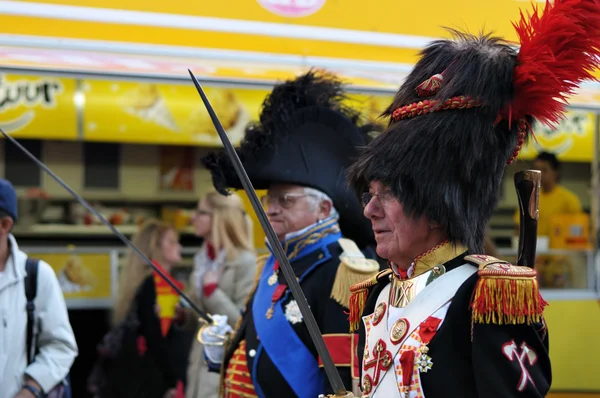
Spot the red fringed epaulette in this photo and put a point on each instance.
(358, 298)
(505, 294)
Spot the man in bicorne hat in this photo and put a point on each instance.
(444, 321)
(298, 152)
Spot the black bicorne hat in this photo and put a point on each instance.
(305, 136)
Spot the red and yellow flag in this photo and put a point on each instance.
(166, 298)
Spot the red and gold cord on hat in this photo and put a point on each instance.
(522, 132)
(430, 86)
(428, 106)
(459, 102)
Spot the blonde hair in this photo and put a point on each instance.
(148, 240)
(231, 227)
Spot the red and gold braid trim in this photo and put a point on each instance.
(433, 249)
(428, 106)
(358, 298)
(238, 382)
(459, 102)
(505, 294)
(523, 128)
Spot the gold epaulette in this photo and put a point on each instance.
(505, 294)
(359, 293)
(354, 267)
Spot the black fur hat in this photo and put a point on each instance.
(467, 108)
(305, 136)
(447, 162)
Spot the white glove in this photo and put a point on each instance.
(213, 338)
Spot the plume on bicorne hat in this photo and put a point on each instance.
(306, 135)
(468, 106)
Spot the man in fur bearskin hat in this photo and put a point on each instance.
(298, 152)
(443, 320)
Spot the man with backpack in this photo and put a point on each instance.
(41, 321)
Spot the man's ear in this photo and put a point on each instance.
(325, 209)
(6, 225)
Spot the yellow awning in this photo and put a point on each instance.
(242, 68)
(377, 30)
(238, 68)
(372, 45)
(101, 56)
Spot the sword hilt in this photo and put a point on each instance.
(527, 184)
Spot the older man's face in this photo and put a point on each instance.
(290, 209)
(398, 236)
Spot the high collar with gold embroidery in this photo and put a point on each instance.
(438, 255)
(425, 269)
(306, 239)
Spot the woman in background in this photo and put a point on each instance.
(159, 242)
(223, 275)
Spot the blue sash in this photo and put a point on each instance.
(278, 339)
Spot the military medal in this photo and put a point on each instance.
(269, 313)
(427, 330)
(399, 330)
(273, 278)
(279, 290)
(292, 312)
(424, 361)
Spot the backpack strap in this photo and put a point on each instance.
(31, 266)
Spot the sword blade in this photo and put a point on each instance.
(527, 184)
(119, 235)
(286, 268)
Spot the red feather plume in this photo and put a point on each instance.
(559, 49)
